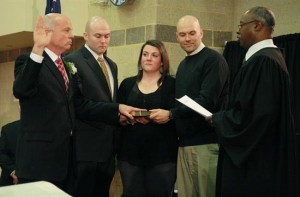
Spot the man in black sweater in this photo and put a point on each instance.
(203, 76)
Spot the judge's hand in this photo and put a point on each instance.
(41, 36)
(160, 116)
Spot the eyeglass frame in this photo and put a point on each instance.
(242, 23)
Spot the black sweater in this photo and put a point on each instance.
(203, 77)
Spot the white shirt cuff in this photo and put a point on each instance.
(36, 58)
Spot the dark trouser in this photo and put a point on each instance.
(148, 181)
(94, 178)
(68, 183)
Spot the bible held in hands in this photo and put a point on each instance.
(140, 113)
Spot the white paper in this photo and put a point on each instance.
(187, 101)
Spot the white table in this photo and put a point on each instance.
(35, 189)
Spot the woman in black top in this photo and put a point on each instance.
(148, 151)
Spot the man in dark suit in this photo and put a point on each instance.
(43, 84)
(46, 99)
(8, 144)
(96, 140)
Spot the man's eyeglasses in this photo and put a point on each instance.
(242, 23)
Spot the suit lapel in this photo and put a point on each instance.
(94, 65)
(114, 73)
(55, 72)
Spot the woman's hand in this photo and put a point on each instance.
(160, 116)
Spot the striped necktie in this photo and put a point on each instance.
(62, 70)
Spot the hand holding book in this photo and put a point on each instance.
(140, 113)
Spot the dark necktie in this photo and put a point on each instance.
(62, 70)
(105, 72)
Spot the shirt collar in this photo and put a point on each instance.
(92, 52)
(201, 46)
(258, 46)
(51, 54)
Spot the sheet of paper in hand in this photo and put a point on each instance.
(187, 101)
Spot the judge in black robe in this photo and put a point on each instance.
(256, 133)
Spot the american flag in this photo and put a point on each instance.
(53, 6)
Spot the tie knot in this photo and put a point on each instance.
(58, 60)
(100, 59)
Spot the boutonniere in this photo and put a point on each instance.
(71, 68)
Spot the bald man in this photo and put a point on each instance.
(203, 76)
(256, 132)
(97, 111)
(44, 147)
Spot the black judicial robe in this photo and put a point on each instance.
(256, 133)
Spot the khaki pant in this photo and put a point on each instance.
(196, 170)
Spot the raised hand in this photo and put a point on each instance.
(41, 35)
